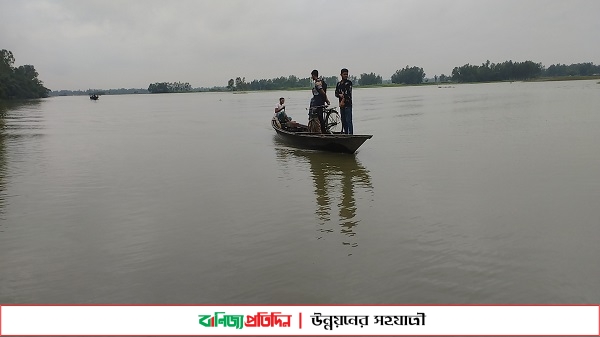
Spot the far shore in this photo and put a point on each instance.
(392, 85)
(388, 85)
(540, 79)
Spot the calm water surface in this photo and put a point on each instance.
(484, 193)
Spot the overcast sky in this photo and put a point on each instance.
(77, 44)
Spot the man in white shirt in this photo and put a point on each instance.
(280, 111)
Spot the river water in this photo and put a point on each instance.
(473, 193)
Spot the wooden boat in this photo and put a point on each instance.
(297, 134)
(94, 97)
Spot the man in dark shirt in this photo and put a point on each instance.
(343, 91)
(319, 98)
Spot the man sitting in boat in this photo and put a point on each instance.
(280, 112)
(282, 119)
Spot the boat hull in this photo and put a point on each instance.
(324, 142)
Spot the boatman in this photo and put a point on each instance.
(319, 98)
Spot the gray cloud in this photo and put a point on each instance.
(108, 44)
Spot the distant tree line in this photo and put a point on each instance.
(293, 82)
(278, 83)
(486, 72)
(168, 87)
(20, 82)
(121, 91)
(577, 69)
(490, 72)
(509, 70)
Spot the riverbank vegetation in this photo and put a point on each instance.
(121, 91)
(409, 75)
(19, 82)
(486, 72)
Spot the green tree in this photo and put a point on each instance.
(240, 84)
(6, 61)
(412, 75)
(180, 87)
(369, 79)
(159, 88)
(21, 82)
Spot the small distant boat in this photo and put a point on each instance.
(94, 97)
(298, 135)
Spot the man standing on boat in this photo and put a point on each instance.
(319, 99)
(343, 91)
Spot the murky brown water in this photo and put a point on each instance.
(483, 193)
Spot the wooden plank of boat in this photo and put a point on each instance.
(298, 135)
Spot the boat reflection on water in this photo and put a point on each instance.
(339, 180)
